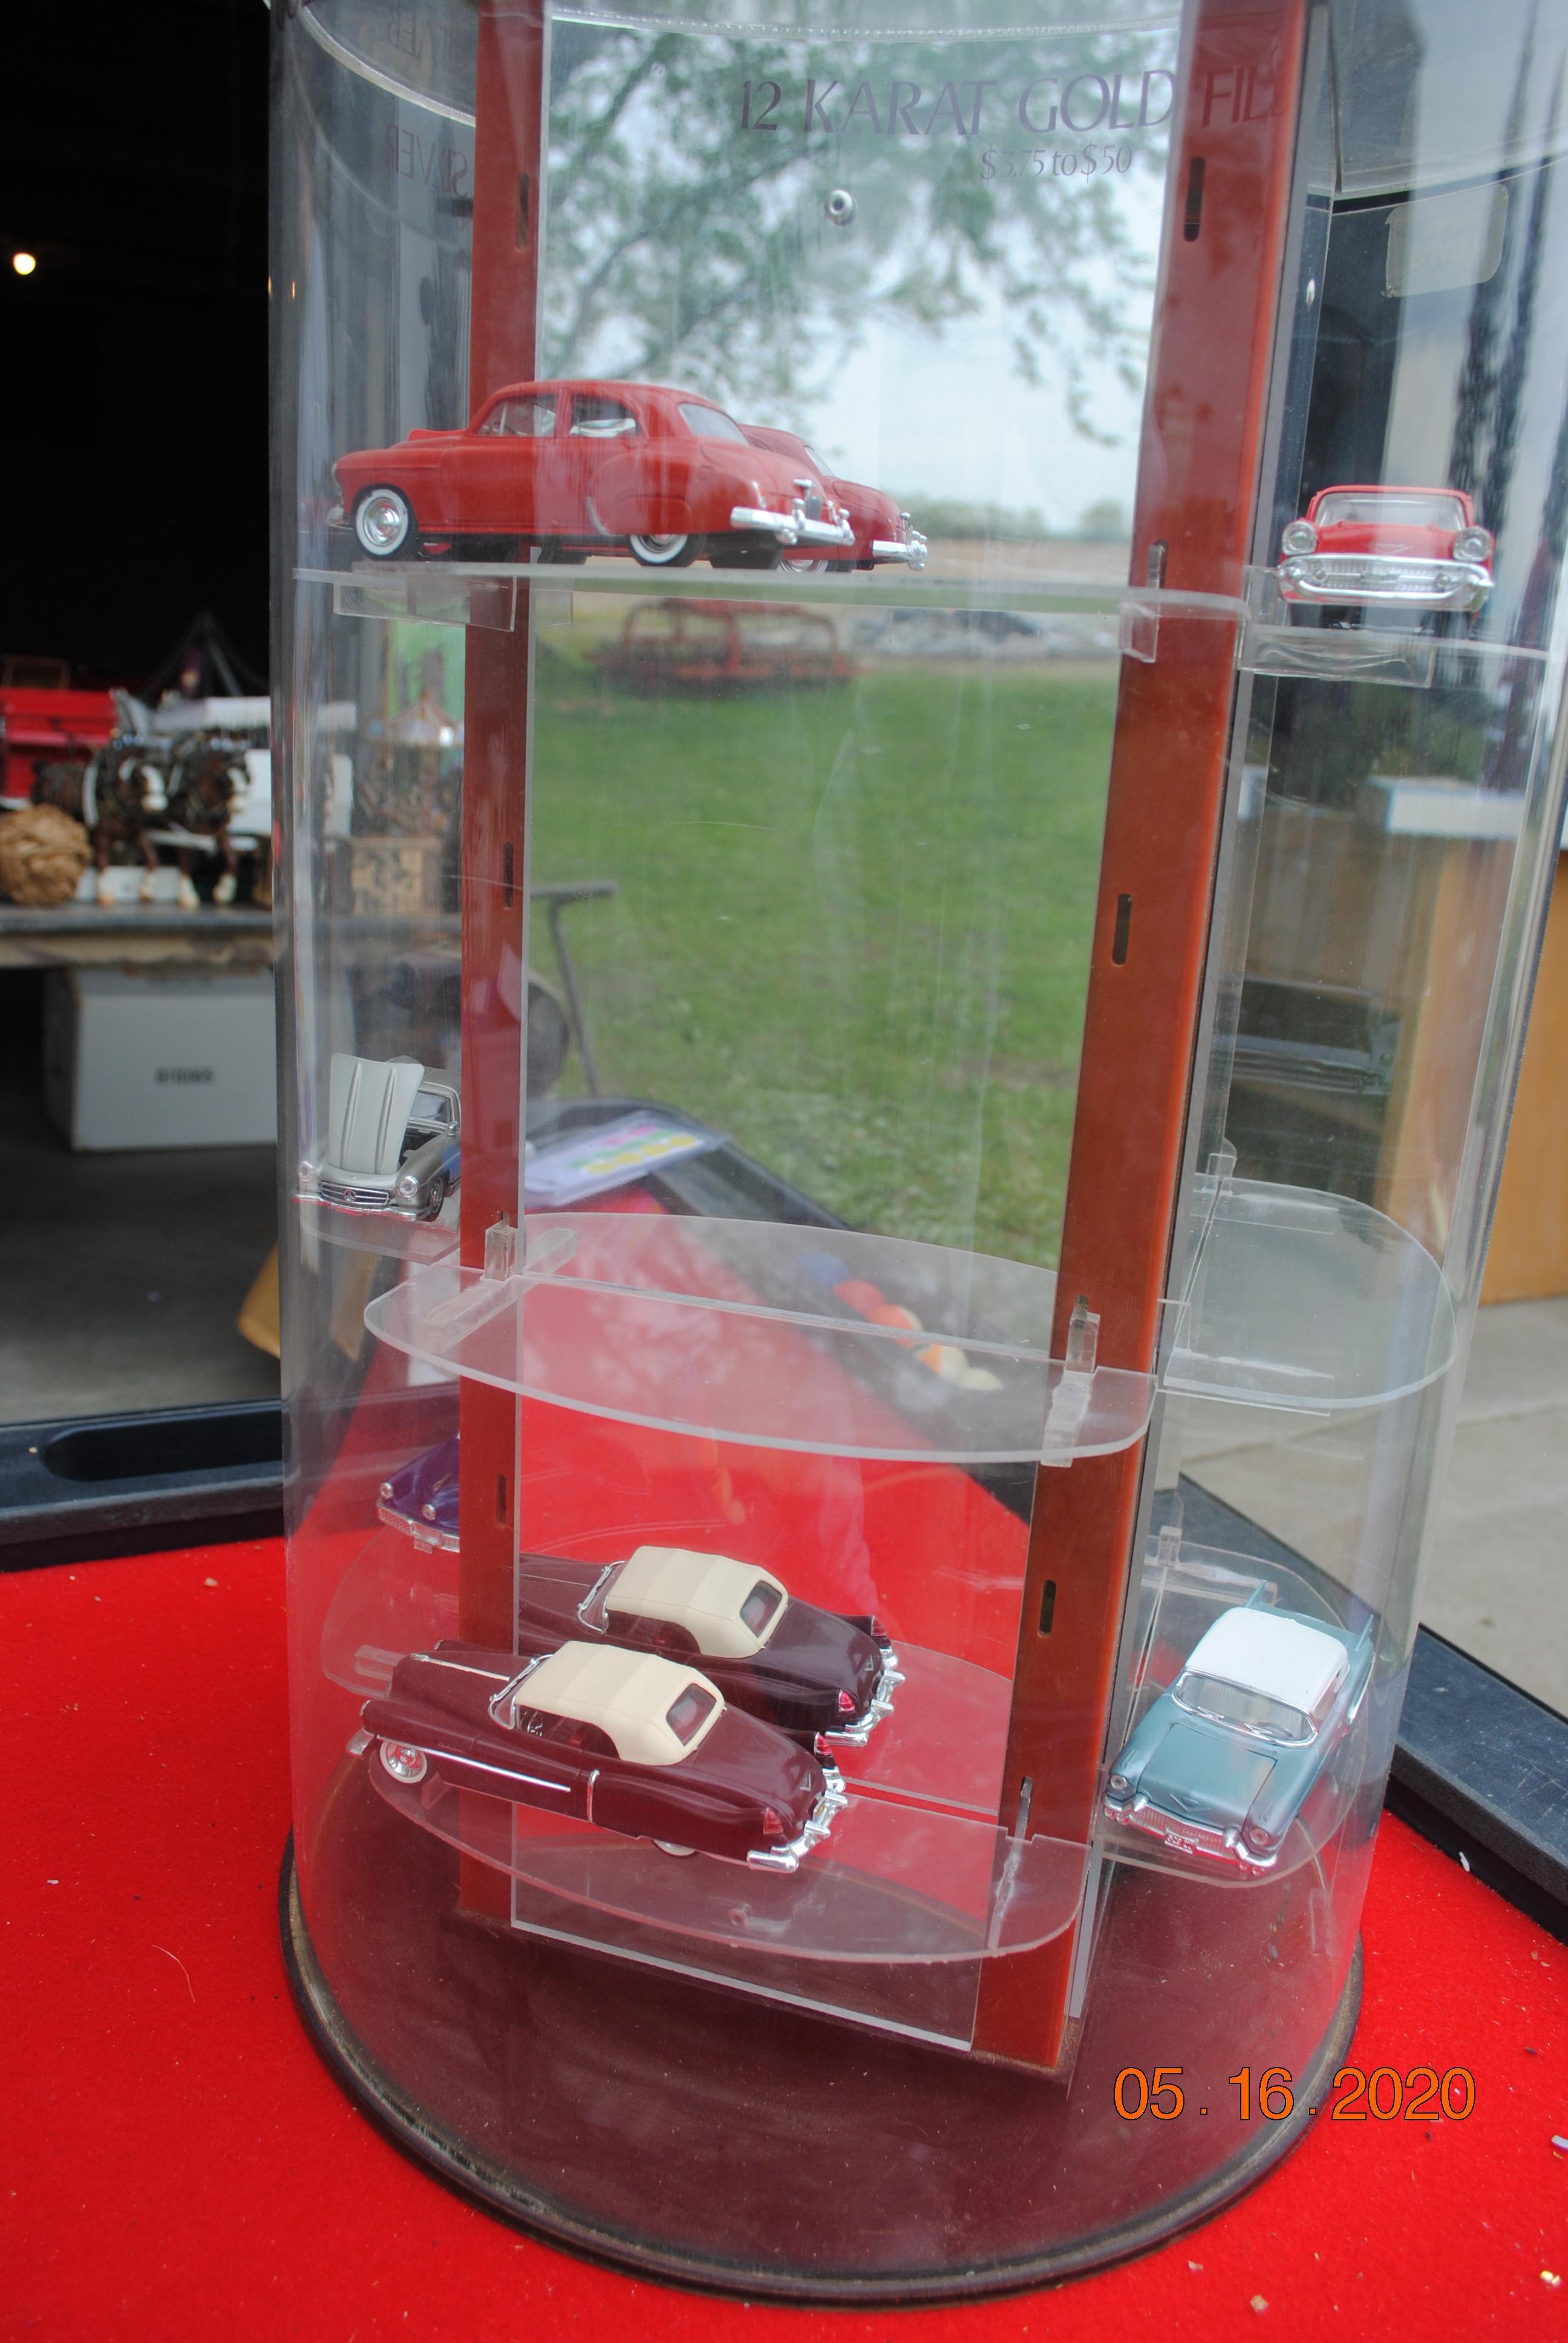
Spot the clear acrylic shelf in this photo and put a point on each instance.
(1374, 644)
(733, 1330)
(392, 1234)
(484, 593)
(1302, 1299)
(864, 1895)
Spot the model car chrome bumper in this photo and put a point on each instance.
(792, 528)
(880, 1705)
(356, 1199)
(910, 549)
(1401, 578)
(424, 1533)
(1190, 1838)
(834, 1798)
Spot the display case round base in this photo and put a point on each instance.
(689, 2132)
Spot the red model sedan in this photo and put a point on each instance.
(882, 533)
(581, 468)
(1416, 547)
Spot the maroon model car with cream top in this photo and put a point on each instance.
(627, 1740)
(813, 1674)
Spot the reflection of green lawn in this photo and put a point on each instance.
(852, 928)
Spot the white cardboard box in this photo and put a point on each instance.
(186, 1060)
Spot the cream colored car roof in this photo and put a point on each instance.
(701, 1592)
(627, 1694)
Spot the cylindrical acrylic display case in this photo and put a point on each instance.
(919, 668)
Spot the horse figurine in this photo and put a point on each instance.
(118, 795)
(206, 777)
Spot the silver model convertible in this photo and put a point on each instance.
(393, 1138)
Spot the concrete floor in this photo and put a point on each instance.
(1497, 1578)
(121, 1275)
(1497, 1567)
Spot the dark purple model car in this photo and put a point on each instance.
(422, 1498)
(623, 1740)
(813, 1674)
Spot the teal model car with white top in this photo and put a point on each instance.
(1243, 1744)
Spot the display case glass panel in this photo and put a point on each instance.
(922, 666)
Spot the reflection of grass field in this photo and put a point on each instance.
(852, 928)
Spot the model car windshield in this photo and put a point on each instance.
(759, 1606)
(688, 1712)
(711, 423)
(521, 419)
(1250, 1712)
(431, 1106)
(1379, 509)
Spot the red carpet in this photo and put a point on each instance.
(178, 2163)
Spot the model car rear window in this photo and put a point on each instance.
(1384, 510)
(759, 1606)
(520, 419)
(688, 1712)
(601, 418)
(711, 423)
(1251, 1711)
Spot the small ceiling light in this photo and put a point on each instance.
(24, 263)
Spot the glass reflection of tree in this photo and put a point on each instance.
(684, 246)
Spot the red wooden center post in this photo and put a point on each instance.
(502, 348)
(1226, 223)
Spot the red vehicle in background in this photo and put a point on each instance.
(41, 723)
(581, 468)
(1416, 547)
(882, 533)
(701, 645)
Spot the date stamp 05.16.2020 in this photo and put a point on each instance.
(1385, 2094)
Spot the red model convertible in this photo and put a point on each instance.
(581, 468)
(1418, 546)
(625, 1740)
(882, 533)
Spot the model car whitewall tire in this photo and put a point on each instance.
(661, 552)
(383, 523)
(402, 1762)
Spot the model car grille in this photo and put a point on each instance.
(374, 1200)
(1385, 577)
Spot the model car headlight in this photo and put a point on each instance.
(408, 1187)
(1258, 1838)
(1119, 1785)
(1473, 545)
(386, 1490)
(1300, 537)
